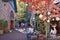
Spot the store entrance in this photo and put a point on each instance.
(11, 24)
(57, 27)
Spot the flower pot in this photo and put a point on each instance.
(5, 26)
(1, 31)
(5, 30)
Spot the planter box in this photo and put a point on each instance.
(5, 30)
(1, 31)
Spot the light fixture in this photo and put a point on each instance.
(40, 16)
(48, 13)
(53, 19)
(48, 20)
(57, 18)
(33, 18)
(26, 4)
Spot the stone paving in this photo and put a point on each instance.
(14, 35)
(18, 34)
(24, 31)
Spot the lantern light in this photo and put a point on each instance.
(48, 13)
(33, 18)
(48, 20)
(26, 4)
(40, 16)
(57, 18)
(53, 19)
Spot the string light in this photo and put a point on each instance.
(40, 16)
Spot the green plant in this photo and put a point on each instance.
(1, 24)
(5, 24)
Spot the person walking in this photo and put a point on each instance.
(30, 31)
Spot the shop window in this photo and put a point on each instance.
(4, 4)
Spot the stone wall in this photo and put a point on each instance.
(5, 9)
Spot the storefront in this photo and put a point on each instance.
(56, 21)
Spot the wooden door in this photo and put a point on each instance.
(11, 24)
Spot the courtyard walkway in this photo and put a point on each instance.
(14, 35)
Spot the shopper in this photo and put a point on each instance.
(30, 31)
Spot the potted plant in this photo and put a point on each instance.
(5, 25)
(1, 26)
